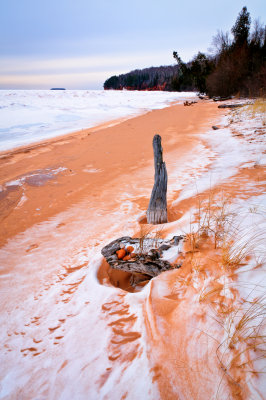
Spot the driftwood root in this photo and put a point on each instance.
(147, 262)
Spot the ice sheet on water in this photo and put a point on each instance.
(28, 116)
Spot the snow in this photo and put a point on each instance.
(29, 116)
(226, 153)
(21, 201)
(171, 254)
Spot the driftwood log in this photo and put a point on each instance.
(219, 98)
(157, 210)
(147, 261)
(233, 105)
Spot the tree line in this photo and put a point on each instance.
(153, 78)
(237, 64)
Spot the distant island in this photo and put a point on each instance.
(57, 88)
(237, 65)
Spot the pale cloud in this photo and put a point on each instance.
(83, 80)
(31, 65)
(72, 72)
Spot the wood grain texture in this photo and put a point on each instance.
(157, 210)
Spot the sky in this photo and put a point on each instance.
(78, 44)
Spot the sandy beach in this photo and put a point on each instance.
(71, 327)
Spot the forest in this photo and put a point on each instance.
(236, 65)
(153, 78)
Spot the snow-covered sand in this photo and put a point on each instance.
(66, 333)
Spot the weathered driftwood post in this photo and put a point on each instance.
(157, 210)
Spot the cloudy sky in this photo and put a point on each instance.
(78, 44)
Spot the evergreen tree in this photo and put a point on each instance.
(241, 28)
(241, 64)
(201, 67)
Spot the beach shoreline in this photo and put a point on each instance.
(89, 159)
(28, 117)
(58, 138)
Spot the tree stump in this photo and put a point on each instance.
(157, 210)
